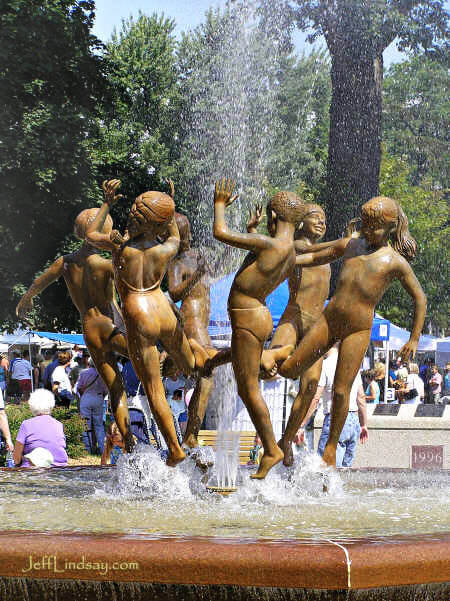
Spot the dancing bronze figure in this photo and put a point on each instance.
(370, 265)
(90, 281)
(140, 260)
(187, 283)
(308, 291)
(269, 262)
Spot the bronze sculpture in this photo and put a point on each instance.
(308, 291)
(140, 259)
(90, 281)
(268, 263)
(370, 265)
(186, 283)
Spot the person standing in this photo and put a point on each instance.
(380, 371)
(21, 371)
(415, 390)
(4, 365)
(61, 386)
(355, 425)
(435, 385)
(92, 392)
(373, 389)
(447, 380)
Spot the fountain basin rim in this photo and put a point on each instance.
(331, 565)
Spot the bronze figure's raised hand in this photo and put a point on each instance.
(109, 189)
(24, 306)
(254, 218)
(224, 192)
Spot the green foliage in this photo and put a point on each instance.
(303, 100)
(369, 27)
(416, 114)
(137, 130)
(71, 420)
(50, 81)
(427, 211)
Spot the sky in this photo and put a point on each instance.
(187, 15)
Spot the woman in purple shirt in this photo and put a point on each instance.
(41, 431)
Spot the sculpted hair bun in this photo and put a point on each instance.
(85, 218)
(155, 206)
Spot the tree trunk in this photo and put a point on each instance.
(354, 152)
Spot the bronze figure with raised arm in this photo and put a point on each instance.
(269, 262)
(308, 291)
(90, 281)
(370, 265)
(140, 261)
(187, 283)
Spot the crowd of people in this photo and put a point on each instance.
(64, 378)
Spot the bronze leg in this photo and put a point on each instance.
(351, 354)
(308, 387)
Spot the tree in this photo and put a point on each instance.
(416, 116)
(50, 81)
(427, 211)
(137, 132)
(356, 33)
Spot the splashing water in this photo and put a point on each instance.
(142, 495)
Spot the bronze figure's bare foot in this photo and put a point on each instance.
(267, 462)
(329, 456)
(129, 442)
(200, 354)
(191, 441)
(270, 359)
(286, 447)
(176, 457)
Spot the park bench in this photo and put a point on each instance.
(246, 443)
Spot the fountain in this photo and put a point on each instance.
(144, 530)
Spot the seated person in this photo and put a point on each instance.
(41, 431)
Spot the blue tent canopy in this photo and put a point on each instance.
(219, 323)
(68, 338)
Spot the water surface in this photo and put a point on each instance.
(143, 496)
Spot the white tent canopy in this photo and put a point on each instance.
(398, 337)
(21, 338)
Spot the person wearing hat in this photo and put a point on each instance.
(42, 432)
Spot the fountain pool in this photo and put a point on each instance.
(379, 529)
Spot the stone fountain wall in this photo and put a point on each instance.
(403, 440)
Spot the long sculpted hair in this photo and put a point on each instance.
(388, 211)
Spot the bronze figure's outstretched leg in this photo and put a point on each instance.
(351, 353)
(246, 353)
(145, 359)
